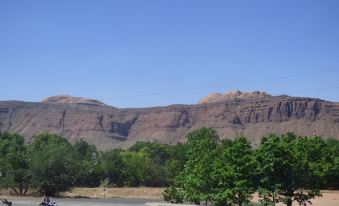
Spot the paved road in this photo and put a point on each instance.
(84, 202)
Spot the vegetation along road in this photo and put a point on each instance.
(83, 202)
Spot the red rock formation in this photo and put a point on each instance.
(107, 127)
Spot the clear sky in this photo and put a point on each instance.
(149, 53)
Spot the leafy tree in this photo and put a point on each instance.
(178, 152)
(333, 176)
(88, 156)
(112, 167)
(137, 168)
(171, 170)
(292, 167)
(233, 173)
(13, 164)
(161, 167)
(173, 195)
(54, 164)
(158, 152)
(196, 179)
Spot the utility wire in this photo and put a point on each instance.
(223, 85)
(199, 107)
(314, 90)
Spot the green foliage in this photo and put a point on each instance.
(112, 167)
(89, 174)
(137, 168)
(54, 165)
(284, 168)
(173, 195)
(179, 152)
(13, 164)
(333, 176)
(196, 179)
(294, 167)
(166, 162)
(105, 182)
(268, 197)
(233, 173)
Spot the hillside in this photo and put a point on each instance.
(252, 114)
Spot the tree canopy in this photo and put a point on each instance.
(204, 170)
(54, 165)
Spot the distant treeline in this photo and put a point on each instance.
(50, 164)
(204, 169)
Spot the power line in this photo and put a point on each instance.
(222, 85)
(314, 90)
(199, 107)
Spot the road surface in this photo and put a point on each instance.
(83, 202)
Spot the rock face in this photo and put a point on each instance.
(250, 114)
(66, 99)
(217, 97)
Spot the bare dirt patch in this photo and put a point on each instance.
(328, 198)
(124, 192)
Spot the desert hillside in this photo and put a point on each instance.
(231, 114)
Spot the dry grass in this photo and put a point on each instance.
(329, 197)
(124, 192)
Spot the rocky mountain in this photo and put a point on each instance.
(66, 99)
(217, 97)
(231, 114)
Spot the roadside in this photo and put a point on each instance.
(114, 192)
(29, 201)
(137, 196)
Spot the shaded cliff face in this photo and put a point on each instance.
(109, 127)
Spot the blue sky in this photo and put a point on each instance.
(135, 53)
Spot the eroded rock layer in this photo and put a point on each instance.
(108, 127)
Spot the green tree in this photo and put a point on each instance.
(173, 195)
(89, 160)
(137, 168)
(233, 173)
(171, 170)
(112, 167)
(161, 166)
(178, 152)
(333, 176)
(294, 168)
(196, 180)
(54, 165)
(13, 163)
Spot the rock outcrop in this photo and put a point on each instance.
(66, 99)
(218, 97)
(250, 114)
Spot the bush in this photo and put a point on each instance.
(173, 195)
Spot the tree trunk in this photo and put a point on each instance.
(289, 202)
(26, 189)
(16, 191)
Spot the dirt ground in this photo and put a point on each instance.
(124, 192)
(329, 197)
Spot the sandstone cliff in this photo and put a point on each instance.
(252, 115)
